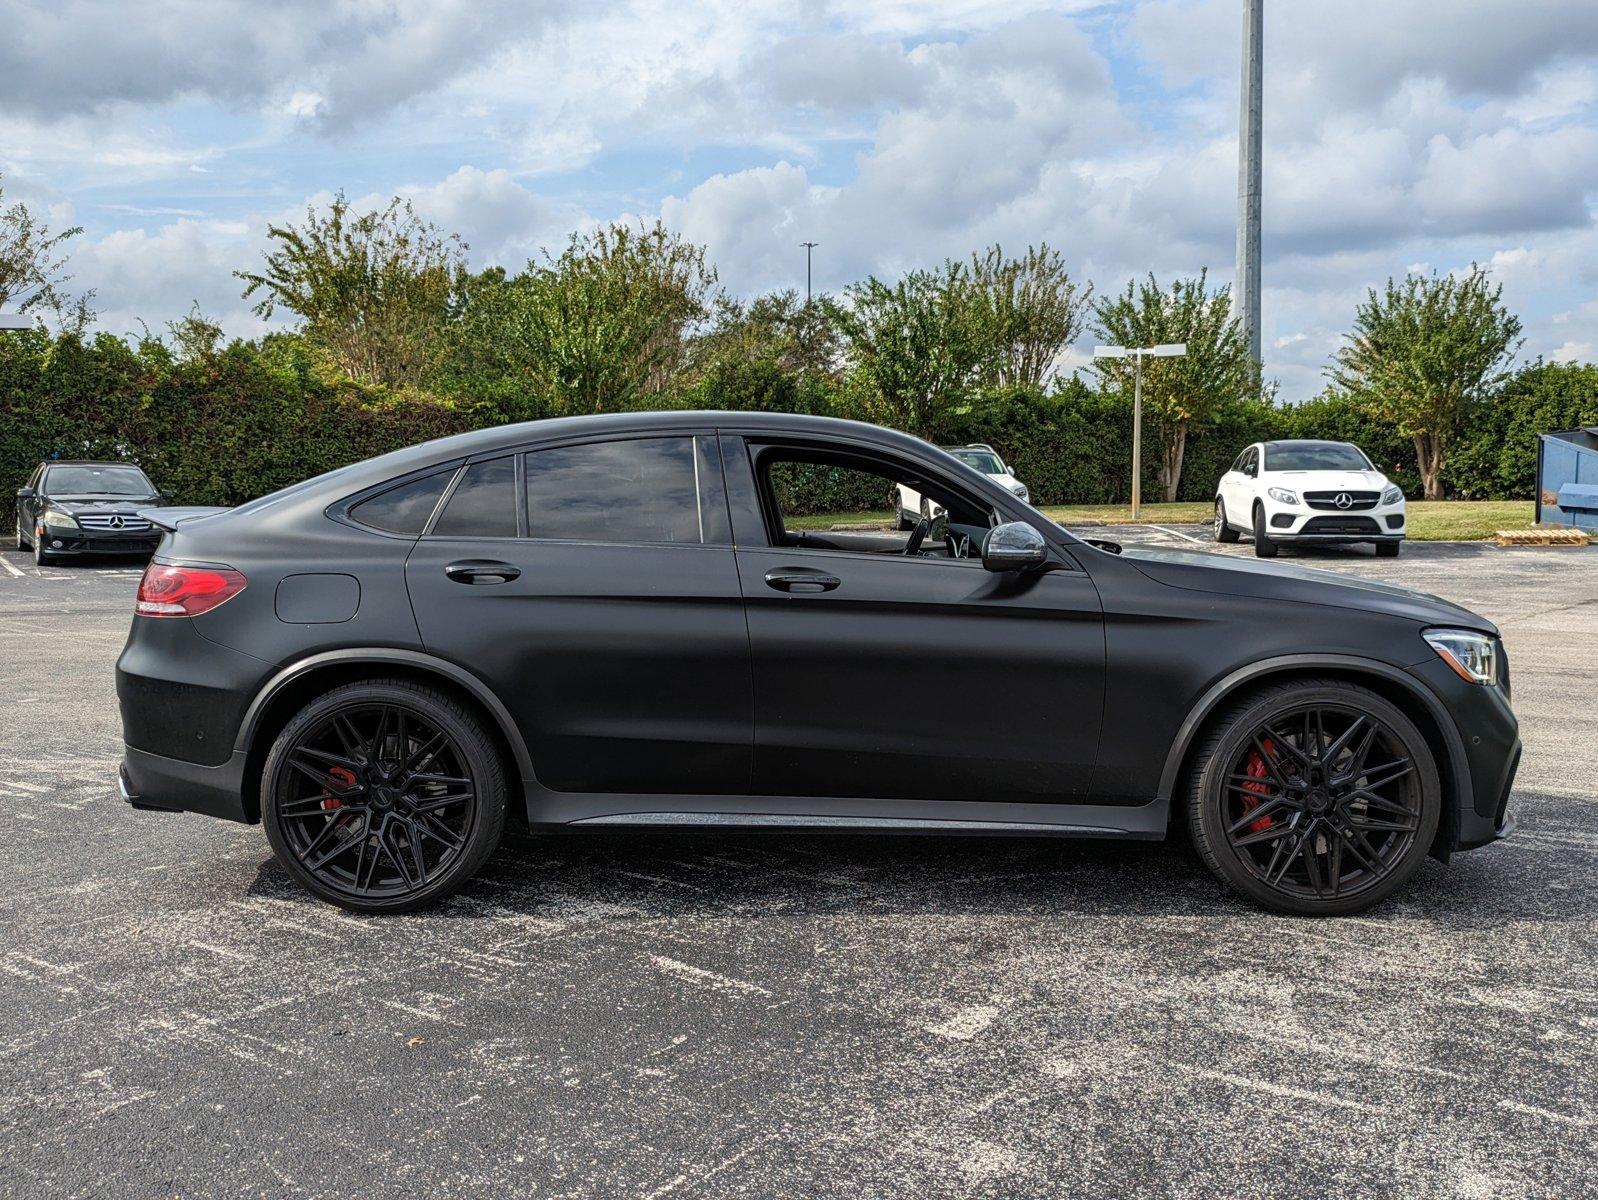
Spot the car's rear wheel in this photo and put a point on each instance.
(383, 796)
(1223, 531)
(1263, 546)
(1387, 549)
(1316, 797)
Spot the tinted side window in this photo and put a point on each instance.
(404, 509)
(483, 503)
(642, 490)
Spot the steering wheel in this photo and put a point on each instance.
(935, 529)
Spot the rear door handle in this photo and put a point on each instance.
(481, 571)
(801, 580)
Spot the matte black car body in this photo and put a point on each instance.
(105, 524)
(677, 685)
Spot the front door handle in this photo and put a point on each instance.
(481, 570)
(801, 580)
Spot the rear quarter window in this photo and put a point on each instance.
(403, 509)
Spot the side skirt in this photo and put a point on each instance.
(581, 809)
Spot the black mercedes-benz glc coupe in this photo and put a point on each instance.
(625, 620)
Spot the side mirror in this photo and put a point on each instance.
(166, 496)
(25, 493)
(1014, 546)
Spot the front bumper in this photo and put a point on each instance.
(64, 542)
(1301, 523)
(1489, 744)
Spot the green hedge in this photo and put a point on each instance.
(227, 427)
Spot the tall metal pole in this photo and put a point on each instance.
(1246, 289)
(809, 246)
(1137, 432)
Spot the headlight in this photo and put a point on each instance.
(1283, 496)
(1393, 495)
(1021, 492)
(58, 520)
(1473, 656)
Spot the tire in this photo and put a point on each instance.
(1223, 532)
(1379, 832)
(22, 542)
(901, 522)
(383, 729)
(1387, 549)
(40, 558)
(1263, 546)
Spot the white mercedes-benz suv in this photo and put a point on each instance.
(1308, 491)
(909, 504)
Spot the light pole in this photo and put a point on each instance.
(1246, 287)
(1137, 355)
(809, 246)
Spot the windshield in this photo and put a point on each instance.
(982, 460)
(1316, 456)
(97, 481)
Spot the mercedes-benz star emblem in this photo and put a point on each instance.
(1344, 500)
(115, 522)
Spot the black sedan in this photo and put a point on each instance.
(70, 509)
(625, 621)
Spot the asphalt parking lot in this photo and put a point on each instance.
(659, 1015)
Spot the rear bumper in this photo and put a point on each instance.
(150, 781)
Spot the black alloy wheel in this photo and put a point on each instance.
(1223, 532)
(1318, 798)
(383, 796)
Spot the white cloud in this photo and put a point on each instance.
(895, 133)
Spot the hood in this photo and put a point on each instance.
(1200, 571)
(1332, 481)
(126, 505)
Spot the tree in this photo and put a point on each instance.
(33, 273)
(598, 329)
(1032, 311)
(915, 346)
(1179, 394)
(374, 289)
(1422, 354)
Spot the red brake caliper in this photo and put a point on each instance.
(346, 777)
(1254, 768)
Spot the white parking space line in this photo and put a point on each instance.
(1185, 537)
(10, 566)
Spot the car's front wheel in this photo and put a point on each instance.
(383, 796)
(40, 557)
(1387, 549)
(1263, 546)
(1316, 797)
(1223, 531)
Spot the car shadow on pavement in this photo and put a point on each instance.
(669, 875)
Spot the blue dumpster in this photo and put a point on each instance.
(1567, 477)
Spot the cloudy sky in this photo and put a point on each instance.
(1400, 134)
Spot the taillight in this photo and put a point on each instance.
(185, 591)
